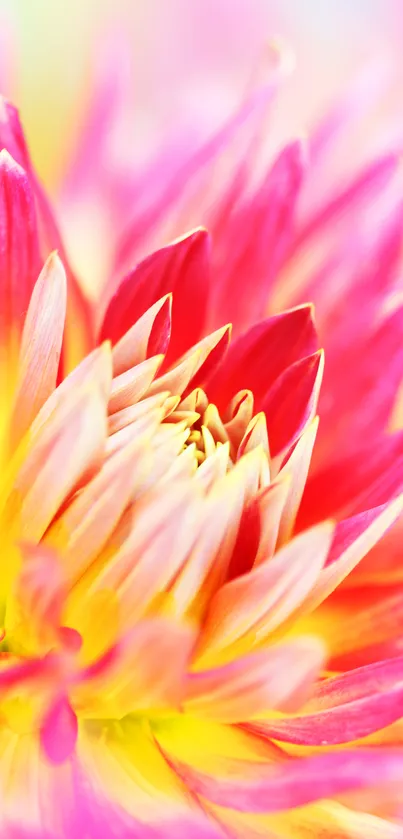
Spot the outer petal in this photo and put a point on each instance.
(353, 483)
(255, 232)
(78, 337)
(353, 538)
(270, 788)
(345, 708)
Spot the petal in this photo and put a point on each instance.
(95, 371)
(353, 538)
(329, 819)
(41, 345)
(40, 596)
(255, 233)
(372, 179)
(125, 781)
(77, 338)
(84, 527)
(195, 366)
(147, 337)
(48, 476)
(130, 386)
(258, 788)
(277, 343)
(146, 671)
(344, 708)
(296, 468)
(259, 601)
(161, 534)
(59, 731)
(353, 483)
(268, 679)
(291, 403)
(258, 528)
(181, 267)
(19, 247)
(359, 626)
(147, 220)
(373, 378)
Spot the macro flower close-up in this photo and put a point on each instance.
(201, 424)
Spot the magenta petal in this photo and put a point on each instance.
(344, 708)
(59, 731)
(261, 788)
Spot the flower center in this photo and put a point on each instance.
(209, 431)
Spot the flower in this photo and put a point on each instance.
(201, 632)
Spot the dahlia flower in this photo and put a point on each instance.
(201, 608)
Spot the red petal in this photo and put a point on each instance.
(256, 359)
(291, 402)
(351, 484)
(182, 268)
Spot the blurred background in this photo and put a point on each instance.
(179, 60)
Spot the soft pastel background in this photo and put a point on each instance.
(182, 59)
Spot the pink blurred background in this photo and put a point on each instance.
(181, 60)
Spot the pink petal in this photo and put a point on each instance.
(371, 180)
(264, 680)
(255, 233)
(147, 670)
(41, 588)
(353, 538)
(261, 788)
(345, 708)
(19, 247)
(59, 731)
(195, 366)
